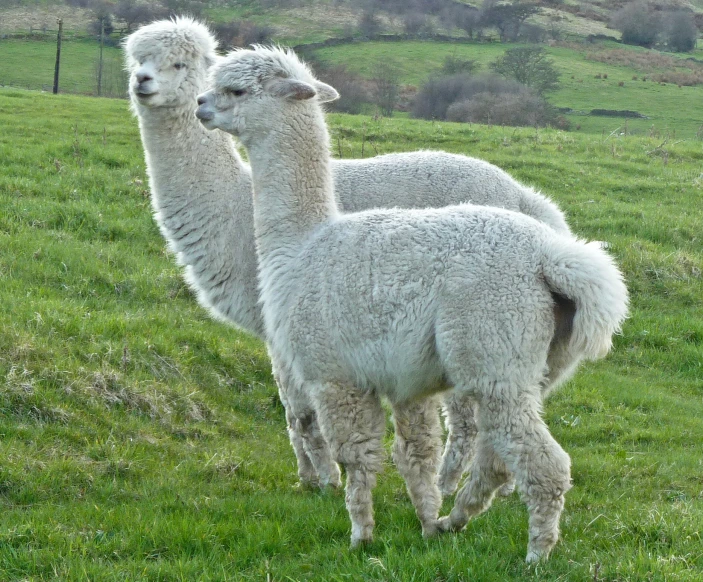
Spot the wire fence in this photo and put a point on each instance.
(27, 60)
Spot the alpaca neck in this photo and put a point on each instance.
(293, 190)
(201, 192)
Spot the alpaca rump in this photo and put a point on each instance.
(201, 194)
(403, 303)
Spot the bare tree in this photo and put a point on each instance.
(369, 24)
(386, 79)
(132, 13)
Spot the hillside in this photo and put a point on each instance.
(298, 21)
(143, 441)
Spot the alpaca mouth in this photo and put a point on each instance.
(145, 94)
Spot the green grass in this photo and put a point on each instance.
(142, 441)
(30, 64)
(671, 111)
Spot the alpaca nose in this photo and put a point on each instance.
(142, 77)
(201, 100)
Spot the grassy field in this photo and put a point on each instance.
(586, 84)
(30, 64)
(139, 440)
(668, 107)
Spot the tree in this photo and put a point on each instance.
(386, 81)
(680, 32)
(369, 24)
(507, 18)
(464, 17)
(529, 66)
(637, 23)
(453, 65)
(132, 13)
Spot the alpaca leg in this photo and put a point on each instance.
(460, 420)
(316, 467)
(416, 452)
(459, 450)
(353, 423)
(319, 452)
(306, 472)
(488, 473)
(541, 467)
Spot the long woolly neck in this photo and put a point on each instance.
(293, 190)
(201, 192)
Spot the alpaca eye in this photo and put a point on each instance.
(237, 92)
(179, 66)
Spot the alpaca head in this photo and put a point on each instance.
(254, 91)
(168, 62)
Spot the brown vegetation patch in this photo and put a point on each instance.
(649, 61)
(680, 78)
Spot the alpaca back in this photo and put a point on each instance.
(428, 179)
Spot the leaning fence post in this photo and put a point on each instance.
(58, 56)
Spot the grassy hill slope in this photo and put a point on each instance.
(139, 440)
(667, 107)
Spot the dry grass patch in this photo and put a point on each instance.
(649, 61)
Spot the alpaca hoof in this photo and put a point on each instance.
(307, 484)
(357, 543)
(332, 478)
(445, 524)
(507, 489)
(534, 556)
(429, 530)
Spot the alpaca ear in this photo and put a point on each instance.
(325, 92)
(291, 89)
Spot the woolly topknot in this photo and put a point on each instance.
(252, 67)
(182, 36)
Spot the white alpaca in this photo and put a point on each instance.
(403, 303)
(201, 192)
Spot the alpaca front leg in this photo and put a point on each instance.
(353, 423)
(416, 453)
(460, 420)
(488, 473)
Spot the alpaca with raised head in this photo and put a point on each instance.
(201, 194)
(405, 303)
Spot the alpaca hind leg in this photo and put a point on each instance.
(460, 447)
(306, 472)
(316, 467)
(541, 467)
(488, 473)
(416, 452)
(353, 423)
(459, 450)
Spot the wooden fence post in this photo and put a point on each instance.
(58, 56)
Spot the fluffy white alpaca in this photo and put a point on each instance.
(403, 303)
(201, 192)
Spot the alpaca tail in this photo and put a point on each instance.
(539, 207)
(587, 275)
